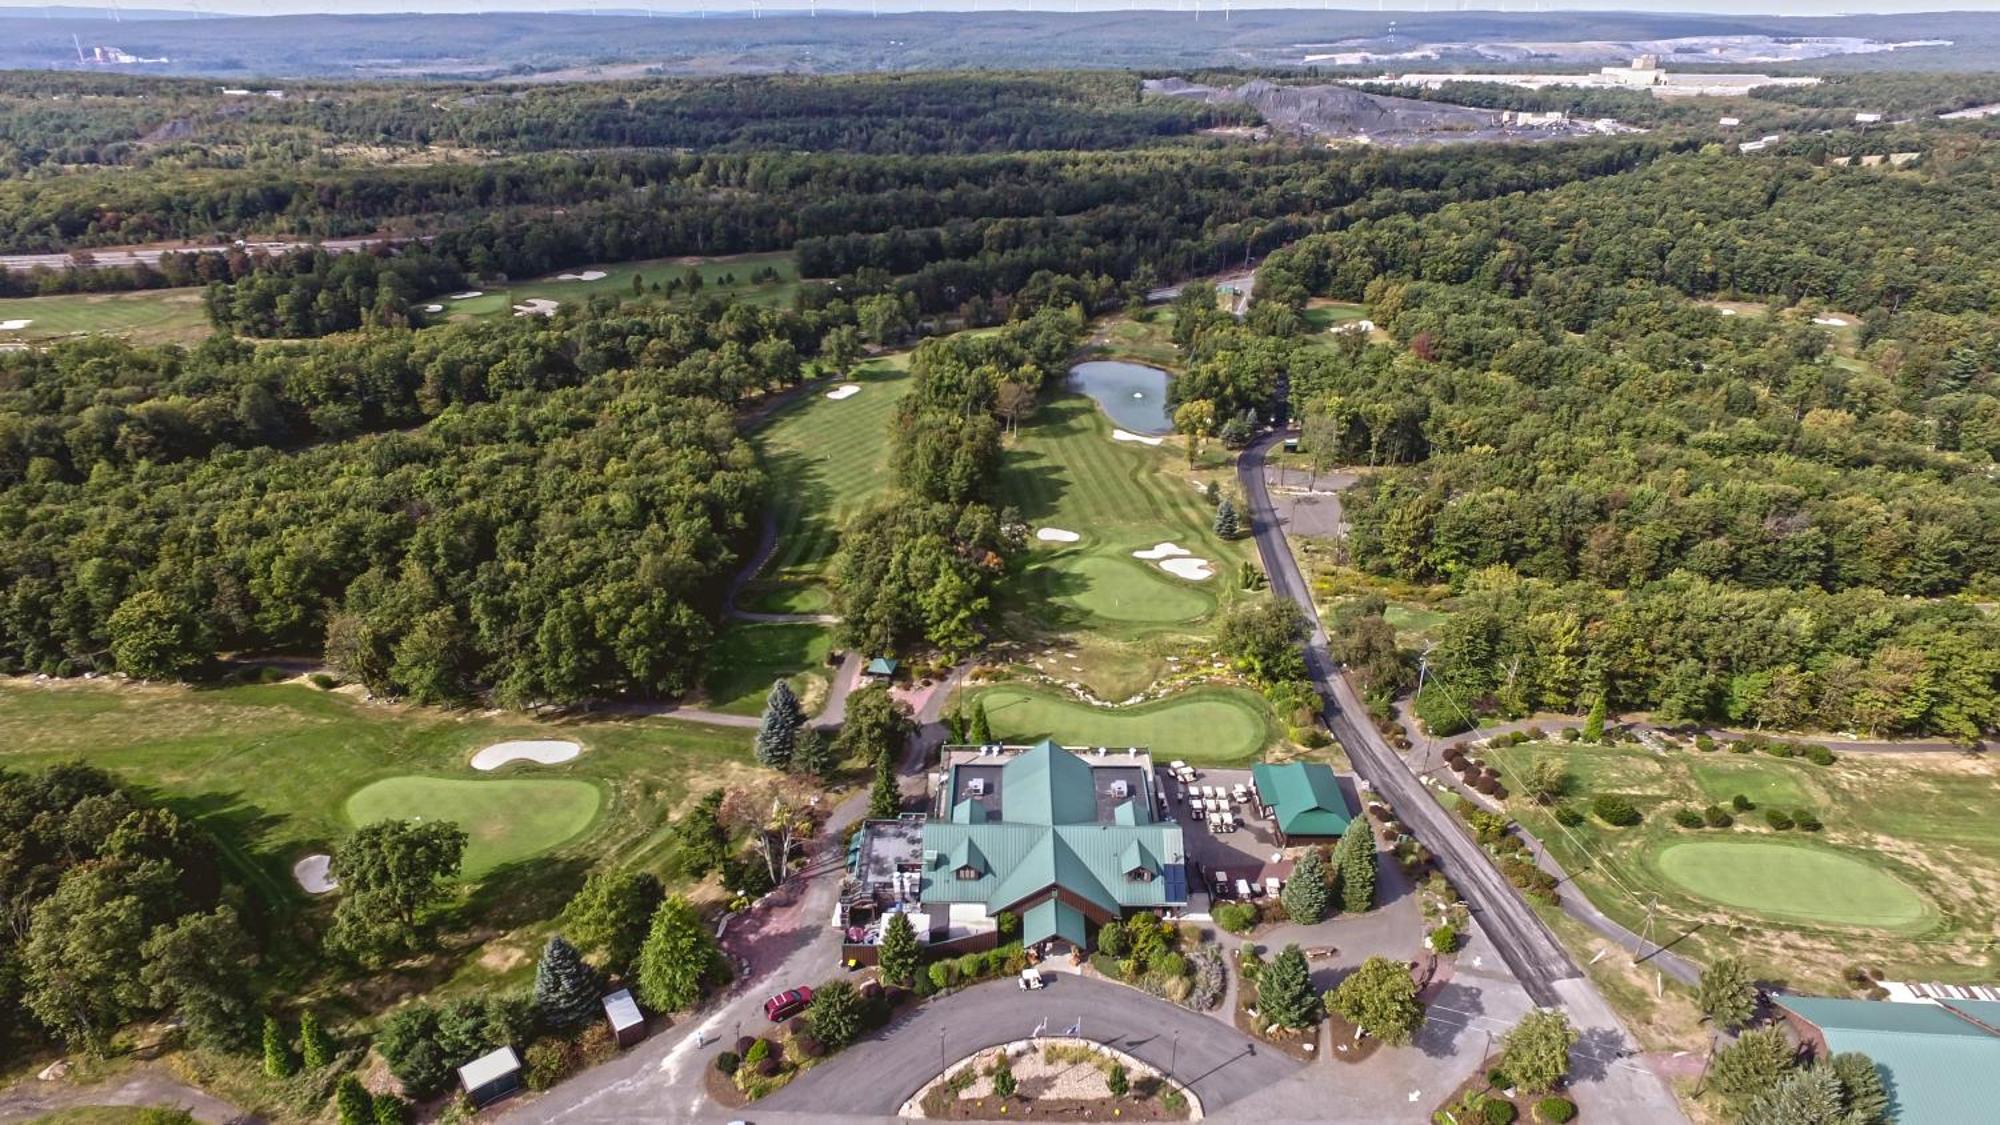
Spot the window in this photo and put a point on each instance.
(1139, 875)
(968, 873)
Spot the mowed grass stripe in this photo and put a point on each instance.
(828, 459)
(1210, 725)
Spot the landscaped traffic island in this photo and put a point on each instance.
(1052, 1080)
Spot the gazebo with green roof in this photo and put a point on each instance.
(1305, 800)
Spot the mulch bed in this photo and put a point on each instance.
(1294, 1044)
(1524, 1103)
(721, 1089)
(1340, 1034)
(1059, 1109)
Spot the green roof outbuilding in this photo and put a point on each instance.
(1939, 1061)
(1305, 798)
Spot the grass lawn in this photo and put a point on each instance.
(748, 657)
(153, 316)
(273, 772)
(505, 820)
(1791, 880)
(827, 458)
(1206, 725)
(1145, 341)
(617, 280)
(1414, 620)
(1904, 876)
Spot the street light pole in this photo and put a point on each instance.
(1174, 1058)
(941, 1052)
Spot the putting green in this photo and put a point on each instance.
(1211, 725)
(1124, 589)
(505, 820)
(1794, 881)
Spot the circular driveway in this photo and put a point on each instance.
(876, 1075)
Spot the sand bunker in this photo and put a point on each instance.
(1127, 435)
(467, 295)
(311, 874)
(14, 325)
(546, 751)
(586, 275)
(1831, 321)
(1193, 569)
(433, 308)
(1162, 551)
(845, 390)
(1056, 535)
(537, 306)
(1728, 312)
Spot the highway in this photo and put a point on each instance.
(110, 258)
(1537, 959)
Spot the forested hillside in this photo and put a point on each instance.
(1707, 510)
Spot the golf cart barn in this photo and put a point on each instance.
(628, 1024)
(491, 1077)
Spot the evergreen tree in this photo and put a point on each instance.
(352, 1102)
(897, 955)
(1864, 1097)
(277, 1050)
(390, 1109)
(1727, 995)
(1356, 860)
(1305, 895)
(566, 989)
(1802, 1097)
(885, 798)
(1285, 995)
(1593, 725)
(315, 1045)
(777, 734)
(813, 754)
(980, 731)
(679, 958)
(1227, 523)
(1748, 1068)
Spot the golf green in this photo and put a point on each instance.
(1794, 881)
(505, 820)
(1124, 589)
(1210, 725)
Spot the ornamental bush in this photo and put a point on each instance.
(1555, 1111)
(1715, 816)
(1777, 819)
(1805, 820)
(1741, 803)
(1688, 818)
(1496, 1111)
(1615, 811)
(1567, 816)
(727, 1062)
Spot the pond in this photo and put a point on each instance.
(1134, 395)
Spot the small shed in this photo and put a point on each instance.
(628, 1024)
(491, 1076)
(880, 668)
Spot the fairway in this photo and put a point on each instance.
(1764, 784)
(617, 281)
(827, 458)
(1121, 589)
(1209, 725)
(153, 316)
(505, 821)
(1800, 882)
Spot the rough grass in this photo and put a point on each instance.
(505, 820)
(1207, 725)
(154, 316)
(748, 657)
(1764, 783)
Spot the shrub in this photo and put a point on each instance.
(1496, 1111)
(1615, 811)
(1003, 1078)
(1236, 917)
(1819, 755)
(808, 1047)
(1688, 818)
(1567, 816)
(1555, 1111)
(1805, 820)
(767, 1068)
(1210, 980)
(1111, 939)
(727, 1062)
(758, 1052)
(1571, 734)
(1715, 816)
(1444, 939)
(1498, 1079)
(1741, 803)
(1117, 1082)
(1487, 786)
(1777, 819)
(546, 1062)
(1704, 743)
(744, 1043)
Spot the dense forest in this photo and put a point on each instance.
(1647, 493)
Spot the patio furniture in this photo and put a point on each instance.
(1271, 884)
(1242, 888)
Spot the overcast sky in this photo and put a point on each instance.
(1742, 7)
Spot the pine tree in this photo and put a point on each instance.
(1227, 524)
(777, 734)
(315, 1045)
(1285, 995)
(1727, 994)
(566, 989)
(897, 955)
(352, 1102)
(1305, 895)
(1593, 726)
(679, 958)
(1356, 860)
(885, 799)
(813, 754)
(980, 732)
(277, 1050)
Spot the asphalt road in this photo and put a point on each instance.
(1529, 949)
(878, 1074)
(150, 255)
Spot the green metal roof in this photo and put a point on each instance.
(1047, 785)
(1940, 1068)
(881, 666)
(1052, 919)
(1088, 859)
(1305, 796)
(966, 854)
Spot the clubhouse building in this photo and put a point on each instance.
(1062, 840)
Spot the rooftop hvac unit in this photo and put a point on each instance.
(976, 787)
(1119, 789)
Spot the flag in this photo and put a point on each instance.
(1040, 1029)
(1075, 1028)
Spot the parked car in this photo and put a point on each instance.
(787, 1004)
